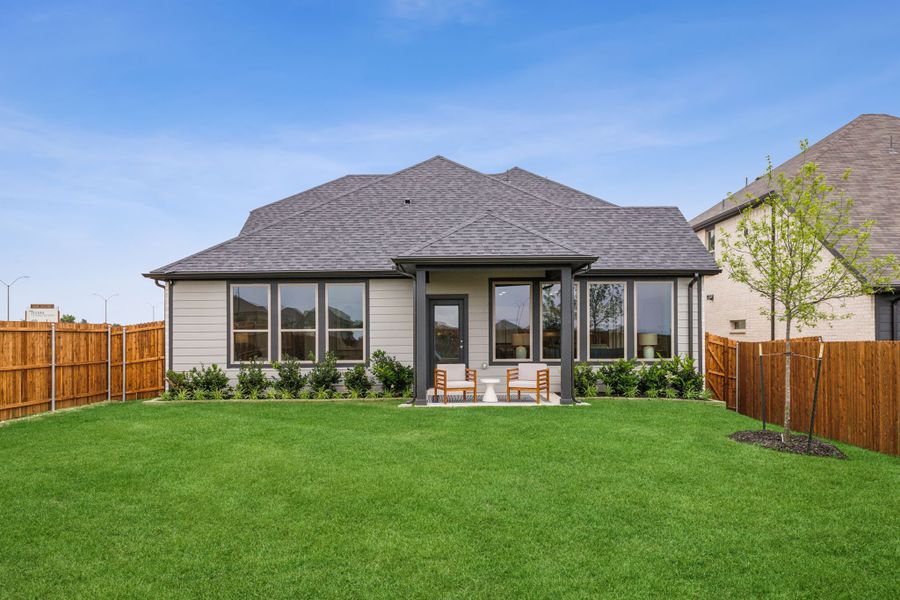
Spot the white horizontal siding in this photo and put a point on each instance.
(199, 324)
(391, 320)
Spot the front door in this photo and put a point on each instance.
(447, 339)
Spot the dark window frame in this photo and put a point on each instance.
(274, 319)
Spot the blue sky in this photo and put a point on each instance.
(132, 134)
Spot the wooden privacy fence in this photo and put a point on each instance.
(46, 366)
(859, 392)
(721, 373)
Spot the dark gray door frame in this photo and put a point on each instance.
(461, 300)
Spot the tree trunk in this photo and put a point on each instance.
(785, 436)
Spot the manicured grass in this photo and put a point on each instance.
(619, 499)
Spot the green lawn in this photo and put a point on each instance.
(620, 499)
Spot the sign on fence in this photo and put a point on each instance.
(42, 313)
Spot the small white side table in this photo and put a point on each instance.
(489, 394)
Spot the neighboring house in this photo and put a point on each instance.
(870, 147)
(441, 263)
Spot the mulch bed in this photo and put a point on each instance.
(797, 443)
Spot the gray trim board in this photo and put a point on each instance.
(420, 362)
(630, 346)
(567, 360)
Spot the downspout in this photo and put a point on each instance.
(691, 314)
(167, 316)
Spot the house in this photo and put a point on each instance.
(869, 146)
(440, 263)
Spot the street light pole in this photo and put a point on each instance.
(105, 303)
(153, 309)
(9, 285)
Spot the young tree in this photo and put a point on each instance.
(67, 319)
(798, 245)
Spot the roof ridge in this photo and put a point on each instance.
(347, 193)
(823, 146)
(502, 182)
(559, 183)
(316, 187)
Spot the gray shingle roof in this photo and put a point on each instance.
(269, 213)
(363, 229)
(549, 188)
(488, 235)
(864, 146)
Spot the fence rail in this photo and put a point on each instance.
(46, 366)
(859, 393)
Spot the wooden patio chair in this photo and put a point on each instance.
(528, 377)
(456, 378)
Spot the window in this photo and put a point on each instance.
(606, 326)
(711, 240)
(250, 322)
(653, 308)
(298, 304)
(512, 321)
(738, 326)
(551, 321)
(346, 320)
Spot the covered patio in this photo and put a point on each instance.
(459, 280)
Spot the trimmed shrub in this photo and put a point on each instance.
(585, 380)
(394, 376)
(324, 375)
(621, 377)
(251, 380)
(291, 380)
(357, 380)
(209, 379)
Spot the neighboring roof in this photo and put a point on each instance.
(864, 146)
(362, 230)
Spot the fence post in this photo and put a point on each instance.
(737, 377)
(52, 367)
(108, 363)
(812, 414)
(124, 378)
(762, 391)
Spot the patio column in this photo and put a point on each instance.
(566, 337)
(421, 338)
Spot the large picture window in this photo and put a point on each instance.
(606, 320)
(653, 308)
(250, 322)
(298, 304)
(346, 326)
(512, 321)
(551, 321)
